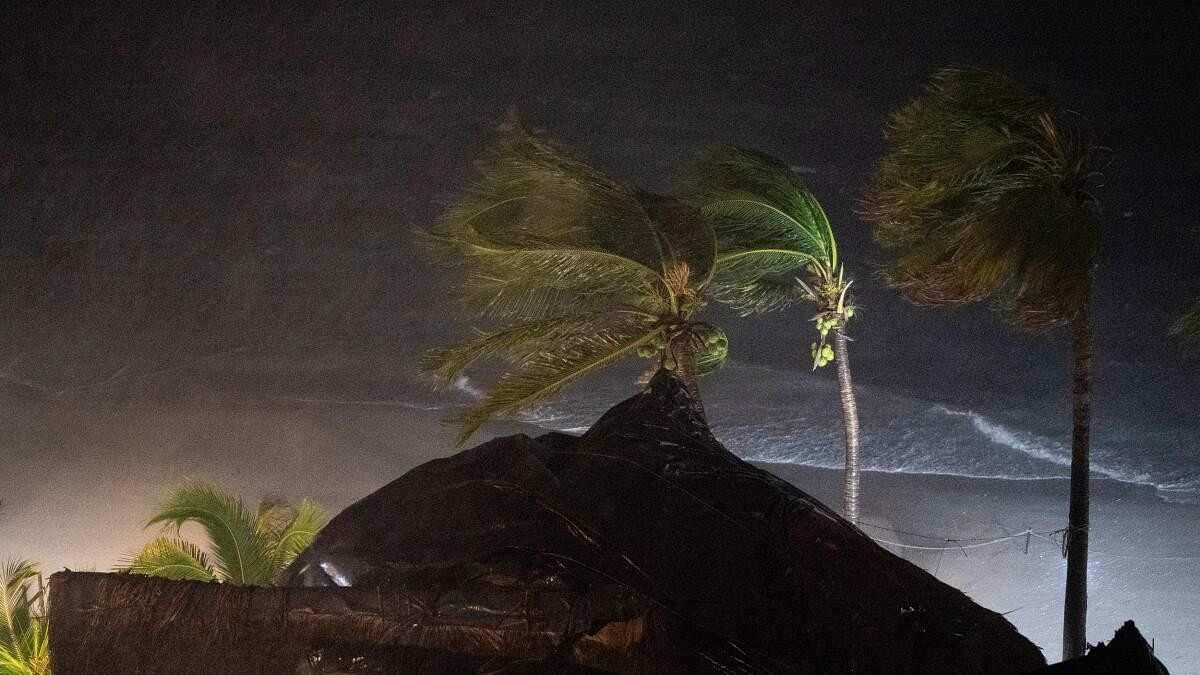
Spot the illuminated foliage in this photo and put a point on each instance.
(986, 192)
(24, 630)
(244, 548)
(578, 270)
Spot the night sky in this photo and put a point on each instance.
(182, 176)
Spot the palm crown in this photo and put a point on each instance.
(245, 548)
(986, 191)
(769, 229)
(578, 270)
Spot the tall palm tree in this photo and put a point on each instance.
(244, 548)
(24, 635)
(770, 229)
(986, 192)
(578, 270)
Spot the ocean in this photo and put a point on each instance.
(776, 415)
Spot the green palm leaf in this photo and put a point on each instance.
(241, 557)
(580, 270)
(515, 343)
(560, 364)
(521, 283)
(533, 195)
(985, 192)
(24, 647)
(768, 226)
(171, 558)
(756, 201)
(298, 533)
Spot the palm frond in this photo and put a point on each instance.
(514, 343)
(307, 520)
(240, 554)
(757, 281)
(686, 237)
(171, 558)
(533, 195)
(985, 192)
(544, 375)
(769, 228)
(24, 648)
(498, 283)
(757, 202)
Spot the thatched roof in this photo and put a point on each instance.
(123, 623)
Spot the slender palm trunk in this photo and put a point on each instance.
(684, 357)
(1075, 602)
(849, 421)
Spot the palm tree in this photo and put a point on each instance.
(985, 192)
(24, 635)
(245, 549)
(770, 228)
(578, 270)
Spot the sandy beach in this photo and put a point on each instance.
(85, 473)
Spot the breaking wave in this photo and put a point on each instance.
(778, 416)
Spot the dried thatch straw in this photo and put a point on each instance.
(122, 623)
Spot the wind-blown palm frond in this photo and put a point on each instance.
(563, 362)
(24, 643)
(578, 269)
(240, 555)
(525, 282)
(532, 195)
(244, 548)
(171, 558)
(768, 227)
(297, 533)
(514, 344)
(986, 192)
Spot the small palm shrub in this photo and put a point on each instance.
(244, 548)
(24, 634)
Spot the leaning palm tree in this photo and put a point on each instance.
(770, 229)
(24, 634)
(576, 270)
(986, 192)
(245, 548)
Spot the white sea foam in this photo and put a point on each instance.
(778, 416)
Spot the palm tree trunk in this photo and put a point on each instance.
(684, 357)
(849, 422)
(1075, 602)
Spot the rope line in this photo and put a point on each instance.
(963, 544)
